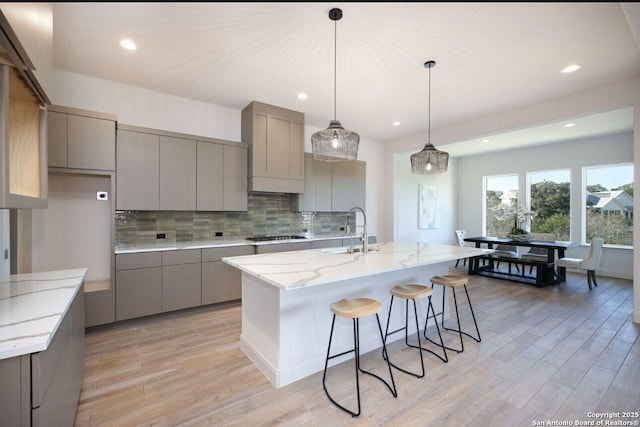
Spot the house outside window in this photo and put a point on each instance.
(609, 204)
(550, 203)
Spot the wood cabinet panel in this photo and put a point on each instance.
(177, 174)
(138, 171)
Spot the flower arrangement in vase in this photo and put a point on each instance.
(520, 222)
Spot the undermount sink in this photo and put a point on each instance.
(354, 250)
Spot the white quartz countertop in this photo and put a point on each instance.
(32, 307)
(290, 270)
(162, 245)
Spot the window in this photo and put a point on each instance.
(609, 204)
(550, 201)
(501, 198)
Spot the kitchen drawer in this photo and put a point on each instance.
(138, 260)
(216, 254)
(329, 243)
(283, 247)
(186, 256)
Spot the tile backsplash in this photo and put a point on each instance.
(267, 214)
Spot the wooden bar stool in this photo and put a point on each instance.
(413, 292)
(355, 308)
(453, 282)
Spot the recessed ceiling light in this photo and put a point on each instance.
(570, 68)
(128, 44)
(302, 95)
(396, 123)
(569, 125)
(486, 140)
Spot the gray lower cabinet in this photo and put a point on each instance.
(43, 389)
(101, 307)
(157, 282)
(220, 281)
(138, 285)
(181, 279)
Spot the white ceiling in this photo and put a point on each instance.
(490, 57)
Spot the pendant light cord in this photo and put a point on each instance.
(335, 67)
(429, 111)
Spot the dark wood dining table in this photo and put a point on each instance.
(543, 277)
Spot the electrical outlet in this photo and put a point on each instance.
(218, 233)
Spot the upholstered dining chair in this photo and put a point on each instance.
(590, 263)
(460, 235)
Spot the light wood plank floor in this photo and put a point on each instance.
(555, 353)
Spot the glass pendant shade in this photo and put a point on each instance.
(429, 160)
(335, 143)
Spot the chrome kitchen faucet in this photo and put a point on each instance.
(364, 237)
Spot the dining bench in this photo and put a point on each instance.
(544, 270)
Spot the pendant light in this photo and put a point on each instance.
(335, 143)
(430, 159)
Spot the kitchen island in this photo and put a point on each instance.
(41, 347)
(286, 296)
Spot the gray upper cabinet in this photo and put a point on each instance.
(81, 139)
(160, 170)
(138, 171)
(210, 174)
(348, 185)
(57, 139)
(276, 148)
(340, 188)
(332, 186)
(317, 186)
(235, 178)
(177, 174)
(221, 177)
